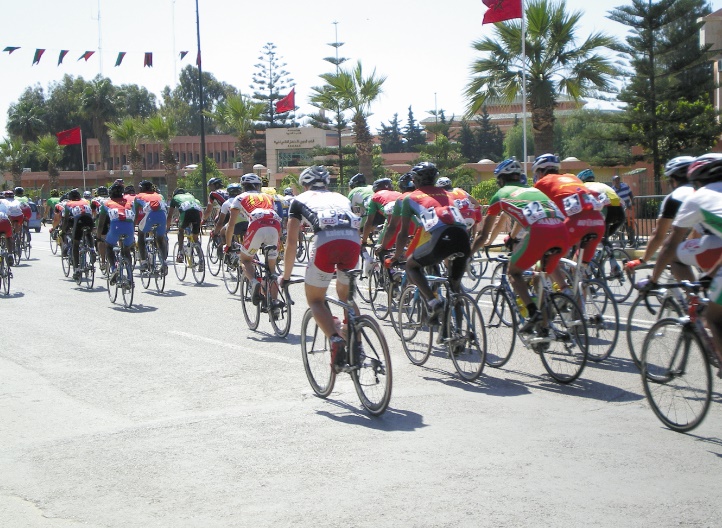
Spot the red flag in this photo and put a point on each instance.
(288, 103)
(500, 10)
(148, 60)
(38, 54)
(69, 137)
(86, 55)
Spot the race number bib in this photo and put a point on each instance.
(456, 214)
(429, 219)
(389, 208)
(572, 205)
(534, 212)
(602, 201)
(187, 206)
(80, 209)
(327, 218)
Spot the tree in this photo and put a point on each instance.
(26, 118)
(130, 132)
(13, 155)
(271, 82)
(390, 136)
(556, 64)
(163, 129)
(193, 180)
(350, 89)
(48, 151)
(413, 134)
(514, 141)
(489, 138)
(591, 136)
(136, 101)
(238, 115)
(99, 104)
(326, 100)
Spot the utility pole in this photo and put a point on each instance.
(200, 95)
(339, 116)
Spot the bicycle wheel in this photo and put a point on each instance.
(316, 354)
(282, 323)
(89, 271)
(642, 317)
(475, 268)
(112, 288)
(362, 281)
(251, 312)
(613, 275)
(301, 249)
(676, 375)
(500, 322)
(5, 275)
(394, 296)
(53, 243)
(602, 317)
(179, 267)
(466, 340)
(26, 247)
(198, 263)
(156, 265)
(495, 277)
(416, 335)
(378, 291)
(372, 373)
(145, 276)
(127, 285)
(564, 343)
(65, 263)
(215, 259)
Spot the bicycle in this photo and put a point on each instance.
(461, 327)
(66, 253)
(561, 339)
(607, 266)
(193, 258)
(86, 260)
(122, 279)
(369, 362)
(54, 240)
(157, 269)
(476, 266)
(278, 310)
(676, 363)
(6, 273)
(214, 254)
(231, 268)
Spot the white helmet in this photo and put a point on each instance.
(250, 179)
(315, 176)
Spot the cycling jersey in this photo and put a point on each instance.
(673, 201)
(599, 188)
(150, 208)
(121, 216)
(264, 224)
(359, 198)
(382, 202)
(15, 210)
(322, 209)
(219, 196)
(471, 213)
(5, 226)
(50, 205)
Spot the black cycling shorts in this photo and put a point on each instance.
(444, 242)
(79, 223)
(192, 218)
(615, 219)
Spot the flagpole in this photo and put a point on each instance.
(523, 81)
(82, 157)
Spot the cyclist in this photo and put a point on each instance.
(468, 206)
(7, 228)
(50, 204)
(625, 195)
(219, 229)
(391, 230)
(539, 228)
(336, 246)
(191, 212)
(703, 207)
(95, 205)
(264, 228)
(217, 195)
(27, 212)
(286, 200)
(380, 206)
(359, 196)
(150, 208)
(76, 216)
(15, 213)
(117, 212)
(440, 232)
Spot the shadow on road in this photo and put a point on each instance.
(391, 420)
(136, 308)
(13, 295)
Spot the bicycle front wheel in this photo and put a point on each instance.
(475, 268)
(231, 276)
(416, 335)
(316, 354)
(301, 249)
(372, 372)
(214, 254)
(500, 322)
(643, 315)
(179, 267)
(198, 263)
(466, 337)
(613, 274)
(602, 316)
(563, 343)
(281, 314)
(53, 243)
(676, 375)
(251, 312)
(378, 292)
(127, 285)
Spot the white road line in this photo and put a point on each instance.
(240, 348)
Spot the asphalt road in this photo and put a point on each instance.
(174, 414)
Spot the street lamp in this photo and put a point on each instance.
(258, 169)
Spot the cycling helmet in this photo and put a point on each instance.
(357, 181)
(264, 181)
(381, 184)
(288, 191)
(146, 186)
(587, 175)
(315, 176)
(54, 193)
(705, 168)
(523, 180)
(424, 173)
(179, 190)
(251, 179)
(444, 183)
(406, 182)
(87, 195)
(234, 189)
(74, 194)
(64, 197)
(677, 167)
(19, 191)
(119, 181)
(102, 191)
(129, 189)
(9, 194)
(509, 167)
(545, 163)
(116, 190)
(215, 181)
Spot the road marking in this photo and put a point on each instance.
(245, 348)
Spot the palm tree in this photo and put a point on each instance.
(129, 132)
(238, 115)
(163, 129)
(13, 154)
(555, 63)
(48, 150)
(99, 104)
(350, 89)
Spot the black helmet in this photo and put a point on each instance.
(706, 168)
(234, 189)
(54, 193)
(19, 191)
(357, 181)
(424, 173)
(129, 189)
(74, 194)
(406, 182)
(215, 181)
(146, 186)
(179, 190)
(382, 183)
(116, 190)
(102, 191)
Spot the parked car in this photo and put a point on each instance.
(34, 222)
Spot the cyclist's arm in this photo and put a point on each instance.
(657, 238)
(368, 226)
(486, 227)
(669, 251)
(169, 218)
(233, 216)
(498, 226)
(401, 237)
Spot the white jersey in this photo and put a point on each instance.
(322, 209)
(3, 210)
(14, 208)
(703, 207)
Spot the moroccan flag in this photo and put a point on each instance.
(121, 56)
(10, 49)
(62, 55)
(183, 54)
(86, 55)
(198, 59)
(69, 137)
(288, 103)
(38, 54)
(500, 10)
(148, 60)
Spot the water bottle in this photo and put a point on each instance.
(522, 309)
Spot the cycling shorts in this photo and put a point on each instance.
(700, 252)
(240, 229)
(444, 242)
(192, 218)
(118, 228)
(615, 219)
(261, 232)
(332, 249)
(6, 228)
(540, 237)
(79, 223)
(585, 223)
(16, 219)
(153, 217)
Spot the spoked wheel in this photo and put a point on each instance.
(378, 291)
(53, 243)
(160, 270)
(642, 315)
(602, 316)
(251, 312)
(500, 321)
(26, 246)
(179, 267)
(281, 315)
(65, 263)
(112, 288)
(495, 277)
(676, 375)
(147, 275)
(127, 286)
(466, 338)
(362, 281)
(416, 334)
(5, 275)
(214, 258)
(87, 270)
(475, 268)
(301, 250)
(394, 296)
(563, 341)
(231, 275)
(198, 263)
(619, 283)
(372, 375)
(316, 354)
(18, 249)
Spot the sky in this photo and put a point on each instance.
(423, 47)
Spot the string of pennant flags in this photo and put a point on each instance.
(147, 56)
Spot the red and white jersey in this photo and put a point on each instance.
(255, 206)
(465, 207)
(3, 210)
(14, 208)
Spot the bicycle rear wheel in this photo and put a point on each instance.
(316, 354)
(466, 340)
(676, 375)
(394, 296)
(416, 335)
(282, 323)
(500, 322)
(179, 267)
(475, 267)
(614, 276)
(215, 259)
(602, 316)
(156, 265)
(198, 263)
(301, 249)
(564, 349)
(642, 317)
(378, 292)
(65, 263)
(231, 276)
(88, 268)
(53, 243)
(127, 285)
(26, 247)
(251, 312)
(5, 274)
(372, 375)
(112, 288)
(147, 275)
